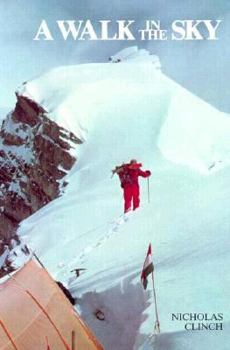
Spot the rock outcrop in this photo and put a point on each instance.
(35, 156)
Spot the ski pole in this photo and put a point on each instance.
(148, 190)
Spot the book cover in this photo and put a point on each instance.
(114, 175)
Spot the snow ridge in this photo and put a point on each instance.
(123, 111)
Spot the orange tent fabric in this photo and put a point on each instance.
(36, 315)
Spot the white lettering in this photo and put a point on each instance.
(124, 31)
(212, 29)
(88, 31)
(44, 31)
(178, 28)
(71, 28)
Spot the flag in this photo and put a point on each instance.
(147, 267)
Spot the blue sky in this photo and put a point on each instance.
(202, 67)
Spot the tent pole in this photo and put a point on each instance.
(37, 258)
(73, 340)
(50, 320)
(8, 335)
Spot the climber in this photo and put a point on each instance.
(128, 174)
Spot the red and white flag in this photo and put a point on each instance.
(147, 267)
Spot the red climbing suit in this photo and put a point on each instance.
(128, 175)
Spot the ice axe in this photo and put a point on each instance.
(77, 271)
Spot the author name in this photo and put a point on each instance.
(200, 321)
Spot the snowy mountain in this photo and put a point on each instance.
(123, 111)
(35, 155)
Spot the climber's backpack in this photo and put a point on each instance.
(125, 177)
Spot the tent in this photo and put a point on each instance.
(36, 315)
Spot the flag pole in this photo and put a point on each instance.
(157, 323)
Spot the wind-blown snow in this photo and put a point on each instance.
(126, 111)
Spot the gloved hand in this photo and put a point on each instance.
(148, 172)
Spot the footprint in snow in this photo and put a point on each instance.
(88, 249)
(113, 229)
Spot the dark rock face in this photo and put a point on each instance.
(34, 158)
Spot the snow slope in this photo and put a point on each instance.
(123, 111)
